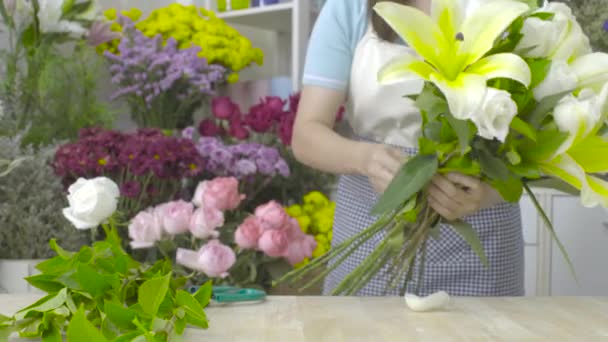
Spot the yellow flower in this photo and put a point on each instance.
(330, 235)
(319, 251)
(304, 222)
(294, 210)
(110, 14)
(302, 264)
(322, 239)
(233, 78)
(308, 208)
(324, 224)
(316, 198)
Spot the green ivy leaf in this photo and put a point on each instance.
(469, 235)
(414, 175)
(80, 329)
(203, 294)
(91, 281)
(119, 315)
(152, 293)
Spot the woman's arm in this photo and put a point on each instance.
(317, 145)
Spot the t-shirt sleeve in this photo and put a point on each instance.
(330, 49)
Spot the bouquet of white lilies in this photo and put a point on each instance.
(512, 94)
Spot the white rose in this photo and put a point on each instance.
(559, 38)
(560, 78)
(92, 201)
(497, 112)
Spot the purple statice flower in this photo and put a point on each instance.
(148, 68)
(130, 189)
(244, 167)
(265, 166)
(282, 168)
(605, 26)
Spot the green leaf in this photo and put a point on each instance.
(5, 332)
(180, 325)
(493, 167)
(543, 15)
(56, 265)
(526, 170)
(45, 282)
(523, 128)
(539, 67)
(5, 321)
(549, 226)
(547, 143)
(52, 334)
(60, 251)
(128, 337)
(544, 107)
(510, 189)
(430, 103)
(183, 298)
(91, 281)
(48, 303)
(463, 164)
(463, 131)
(119, 315)
(469, 235)
(152, 293)
(414, 175)
(203, 294)
(6, 18)
(80, 329)
(432, 131)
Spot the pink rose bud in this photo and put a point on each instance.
(248, 233)
(272, 215)
(175, 216)
(274, 242)
(221, 193)
(300, 249)
(145, 230)
(205, 221)
(214, 259)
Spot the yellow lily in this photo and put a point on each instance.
(451, 49)
(584, 152)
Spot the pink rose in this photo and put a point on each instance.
(175, 216)
(214, 259)
(223, 108)
(272, 215)
(248, 233)
(205, 221)
(294, 232)
(274, 242)
(145, 230)
(300, 249)
(221, 193)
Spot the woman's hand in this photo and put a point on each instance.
(455, 195)
(380, 164)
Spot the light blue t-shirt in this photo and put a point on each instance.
(339, 28)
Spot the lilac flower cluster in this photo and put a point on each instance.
(136, 161)
(240, 160)
(154, 75)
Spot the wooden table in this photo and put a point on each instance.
(336, 319)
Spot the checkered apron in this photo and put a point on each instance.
(380, 111)
(451, 265)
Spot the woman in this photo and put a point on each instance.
(348, 46)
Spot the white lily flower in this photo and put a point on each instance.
(452, 47)
(50, 19)
(560, 78)
(560, 38)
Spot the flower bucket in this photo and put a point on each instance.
(229, 5)
(13, 272)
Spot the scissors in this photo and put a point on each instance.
(230, 294)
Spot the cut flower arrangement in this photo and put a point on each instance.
(100, 293)
(501, 101)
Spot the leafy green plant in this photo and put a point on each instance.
(31, 200)
(100, 293)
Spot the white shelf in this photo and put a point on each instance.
(271, 17)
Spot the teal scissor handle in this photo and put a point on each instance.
(230, 294)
